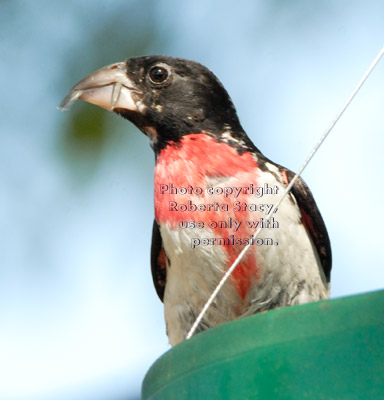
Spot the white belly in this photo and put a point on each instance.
(290, 272)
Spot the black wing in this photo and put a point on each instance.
(313, 221)
(158, 261)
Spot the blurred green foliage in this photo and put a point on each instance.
(83, 139)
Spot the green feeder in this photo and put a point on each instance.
(332, 349)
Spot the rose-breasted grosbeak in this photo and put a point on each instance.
(213, 187)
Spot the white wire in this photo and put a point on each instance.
(288, 188)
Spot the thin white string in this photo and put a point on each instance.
(288, 188)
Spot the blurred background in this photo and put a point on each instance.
(79, 318)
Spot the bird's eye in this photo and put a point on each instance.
(158, 74)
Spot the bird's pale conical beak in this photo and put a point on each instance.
(109, 87)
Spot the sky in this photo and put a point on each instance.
(79, 317)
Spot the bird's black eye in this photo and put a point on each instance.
(158, 74)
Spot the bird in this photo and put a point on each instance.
(212, 188)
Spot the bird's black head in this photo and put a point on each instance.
(166, 98)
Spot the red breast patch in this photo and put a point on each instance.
(198, 161)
